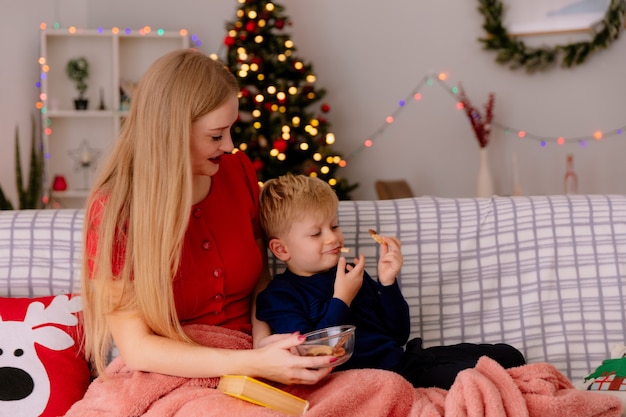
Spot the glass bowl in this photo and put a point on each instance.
(332, 341)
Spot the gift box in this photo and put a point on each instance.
(609, 376)
(608, 382)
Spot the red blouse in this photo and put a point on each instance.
(221, 262)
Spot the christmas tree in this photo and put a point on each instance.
(276, 127)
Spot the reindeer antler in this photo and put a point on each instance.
(58, 312)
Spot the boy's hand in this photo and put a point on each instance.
(348, 284)
(390, 261)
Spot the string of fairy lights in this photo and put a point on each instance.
(415, 95)
(439, 79)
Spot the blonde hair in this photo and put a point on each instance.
(291, 197)
(144, 195)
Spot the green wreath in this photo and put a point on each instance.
(514, 52)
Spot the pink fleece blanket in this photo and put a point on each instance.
(487, 390)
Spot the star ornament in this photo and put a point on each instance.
(84, 156)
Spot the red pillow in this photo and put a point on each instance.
(42, 368)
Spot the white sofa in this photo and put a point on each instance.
(543, 273)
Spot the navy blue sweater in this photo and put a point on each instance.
(380, 313)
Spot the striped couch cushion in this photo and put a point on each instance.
(40, 252)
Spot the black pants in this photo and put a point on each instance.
(438, 366)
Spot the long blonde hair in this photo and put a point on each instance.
(144, 195)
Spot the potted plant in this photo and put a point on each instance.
(29, 197)
(78, 70)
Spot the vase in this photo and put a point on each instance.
(484, 181)
(81, 104)
(571, 179)
(517, 188)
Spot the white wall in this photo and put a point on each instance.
(368, 56)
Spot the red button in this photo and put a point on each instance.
(206, 245)
(218, 297)
(218, 272)
(197, 212)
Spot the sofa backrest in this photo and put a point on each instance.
(544, 273)
(40, 252)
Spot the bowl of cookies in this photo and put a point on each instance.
(335, 341)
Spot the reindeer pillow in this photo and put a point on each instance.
(42, 368)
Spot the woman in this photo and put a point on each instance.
(172, 235)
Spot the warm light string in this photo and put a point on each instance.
(115, 30)
(414, 95)
(439, 79)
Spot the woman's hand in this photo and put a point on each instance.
(390, 261)
(277, 362)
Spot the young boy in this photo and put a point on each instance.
(319, 289)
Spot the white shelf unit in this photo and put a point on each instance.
(113, 55)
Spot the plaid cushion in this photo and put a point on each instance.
(40, 252)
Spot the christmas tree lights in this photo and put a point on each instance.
(281, 126)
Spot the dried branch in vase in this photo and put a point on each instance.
(481, 124)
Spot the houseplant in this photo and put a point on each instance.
(78, 70)
(29, 197)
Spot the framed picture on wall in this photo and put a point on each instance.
(537, 17)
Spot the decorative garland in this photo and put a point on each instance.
(517, 54)
(455, 92)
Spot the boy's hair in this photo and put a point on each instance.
(289, 198)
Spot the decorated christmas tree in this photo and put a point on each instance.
(282, 122)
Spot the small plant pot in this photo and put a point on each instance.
(81, 104)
